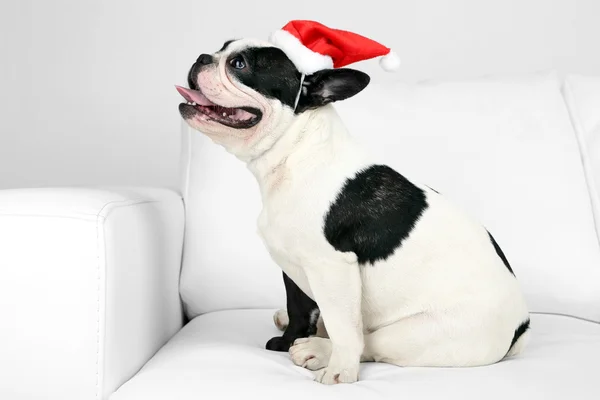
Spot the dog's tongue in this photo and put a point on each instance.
(194, 96)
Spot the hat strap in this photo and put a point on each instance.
(299, 91)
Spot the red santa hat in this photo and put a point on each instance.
(312, 47)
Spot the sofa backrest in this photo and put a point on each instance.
(503, 148)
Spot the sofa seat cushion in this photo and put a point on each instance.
(221, 355)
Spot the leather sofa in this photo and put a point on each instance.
(140, 293)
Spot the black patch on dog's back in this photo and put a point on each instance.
(373, 213)
(518, 333)
(500, 253)
(270, 72)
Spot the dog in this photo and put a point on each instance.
(395, 272)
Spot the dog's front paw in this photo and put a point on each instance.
(333, 374)
(311, 353)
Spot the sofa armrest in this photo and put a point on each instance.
(89, 287)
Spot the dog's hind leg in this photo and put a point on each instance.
(282, 320)
(420, 340)
(300, 319)
(423, 340)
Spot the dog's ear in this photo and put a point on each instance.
(329, 85)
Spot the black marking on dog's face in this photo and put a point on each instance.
(190, 77)
(226, 44)
(301, 312)
(373, 214)
(330, 85)
(500, 253)
(268, 71)
(518, 333)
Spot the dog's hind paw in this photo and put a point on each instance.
(278, 343)
(281, 320)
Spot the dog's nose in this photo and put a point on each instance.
(204, 59)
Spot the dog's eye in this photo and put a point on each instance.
(238, 63)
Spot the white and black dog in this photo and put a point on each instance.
(400, 274)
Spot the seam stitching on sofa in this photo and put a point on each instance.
(98, 390)
(566, 315)
(113, 205)
(100, 220)
(89, 217)
(185, 194)
(188, 162)
(583, 156)
(271, 309)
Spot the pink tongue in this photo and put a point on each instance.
(194, 96)
(242, 114)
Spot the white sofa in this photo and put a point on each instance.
(95, 283)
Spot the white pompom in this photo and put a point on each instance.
(390, 62)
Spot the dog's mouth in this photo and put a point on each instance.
(197, 103)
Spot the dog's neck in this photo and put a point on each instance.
(305, 144)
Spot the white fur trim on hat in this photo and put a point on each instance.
(390, 62)
(307, 61)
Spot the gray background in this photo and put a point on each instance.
(86, 87)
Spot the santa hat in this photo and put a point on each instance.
(312, 47)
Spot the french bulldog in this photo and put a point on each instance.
(394, 271)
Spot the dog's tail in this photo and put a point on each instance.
(520, 339)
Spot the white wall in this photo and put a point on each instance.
(86, 87)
